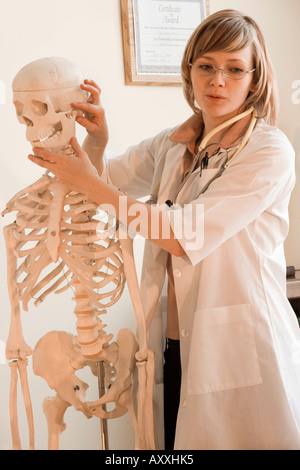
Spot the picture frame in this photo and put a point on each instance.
(154, 34)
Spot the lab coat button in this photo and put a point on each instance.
(183, 403)
(177, 273)
(185, 333)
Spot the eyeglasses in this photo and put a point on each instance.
(230, 73)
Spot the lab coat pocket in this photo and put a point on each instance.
(223, 352)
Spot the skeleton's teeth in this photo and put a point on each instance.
(43, 139)
(56, 130)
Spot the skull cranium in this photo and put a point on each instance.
(43, 91)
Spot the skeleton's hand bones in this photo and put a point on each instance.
(76, 172)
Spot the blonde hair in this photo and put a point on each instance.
(228, 31)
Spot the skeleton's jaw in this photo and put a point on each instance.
(57, 139)
(48, 138)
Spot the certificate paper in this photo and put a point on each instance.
(162, 29)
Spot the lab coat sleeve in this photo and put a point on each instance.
(259, 178)
(133, 171)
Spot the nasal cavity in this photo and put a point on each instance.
(27, 121)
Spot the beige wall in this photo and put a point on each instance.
(89, 33)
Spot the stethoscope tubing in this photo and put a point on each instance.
(202, 147)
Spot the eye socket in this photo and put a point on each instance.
(39, 108)
(19, 107)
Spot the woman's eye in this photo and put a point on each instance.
(236, 70)
(205, 67)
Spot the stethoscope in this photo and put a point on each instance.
(202, 147)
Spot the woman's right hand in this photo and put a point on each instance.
(94, 119)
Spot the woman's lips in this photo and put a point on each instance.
(216, 98)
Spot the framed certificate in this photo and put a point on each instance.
(155, 33)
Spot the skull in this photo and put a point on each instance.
(43, 91)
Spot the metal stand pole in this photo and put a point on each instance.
(101, 387)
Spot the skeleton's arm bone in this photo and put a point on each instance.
(22, 366)
(145, 428)
(13, 406)
(149, 419)
(16, 346)
(145, 357)
(133, 287)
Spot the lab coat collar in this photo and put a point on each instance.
(188, 132)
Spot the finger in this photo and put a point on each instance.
(47, 155)
(93, 83)
(85, 121)
(89, 86)
(77, 149)
(89, 107)
(41, 162)
(94, 92)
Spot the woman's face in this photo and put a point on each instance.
(221, 98)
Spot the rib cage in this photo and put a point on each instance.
(96, 263)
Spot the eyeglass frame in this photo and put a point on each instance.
(215, 69)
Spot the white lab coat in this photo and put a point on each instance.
(240, 341)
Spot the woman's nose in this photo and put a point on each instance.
(218, 78)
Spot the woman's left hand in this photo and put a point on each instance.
(76, 172)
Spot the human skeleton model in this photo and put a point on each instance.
(54, 244)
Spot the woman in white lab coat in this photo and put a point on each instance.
(222, 183)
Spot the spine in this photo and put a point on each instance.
(90, 334)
